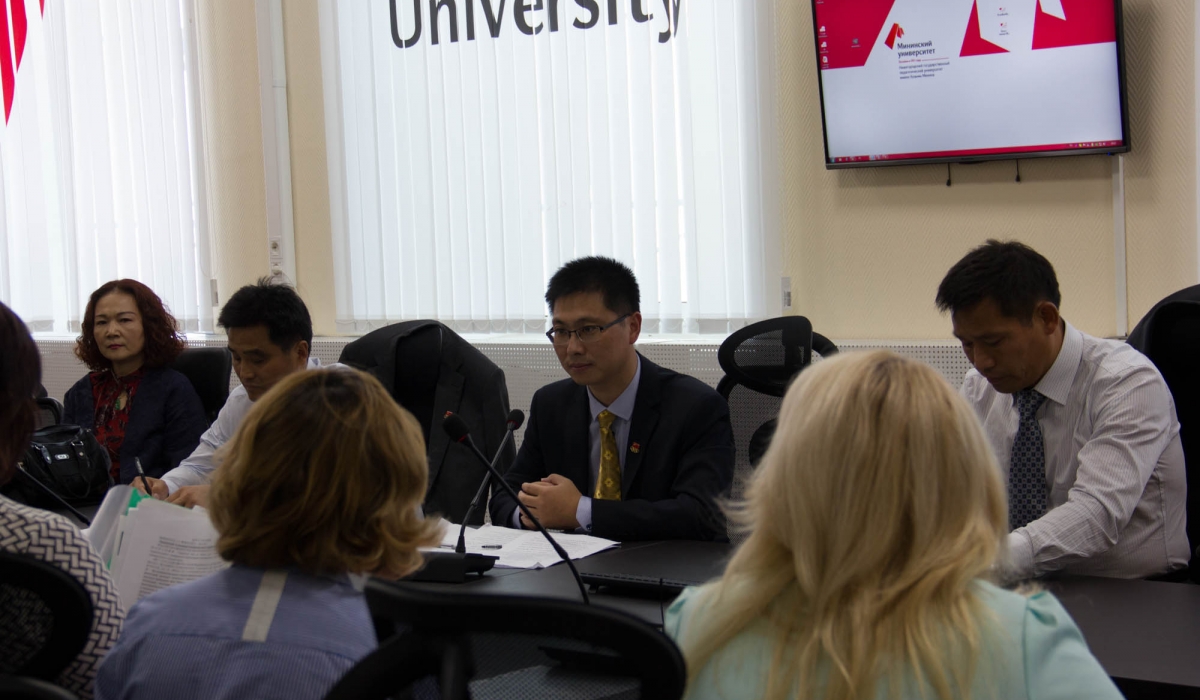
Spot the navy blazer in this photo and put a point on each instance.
(166, 421)
(683, 460)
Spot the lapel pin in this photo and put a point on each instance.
(635, 448)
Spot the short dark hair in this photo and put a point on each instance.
(611, 278)
(20, 377)
(159, 328)
(1010, 273)
(276, 306)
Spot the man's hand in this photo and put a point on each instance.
(189, 496)
(553, 500)
(158, 488)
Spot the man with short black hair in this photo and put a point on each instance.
(1084, 428)
(270, 337)
(623, 449)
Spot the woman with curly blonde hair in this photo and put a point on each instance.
(874, 522)
(321, 484)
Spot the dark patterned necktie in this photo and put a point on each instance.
(1027, 469)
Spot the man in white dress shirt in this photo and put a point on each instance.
(1084, 428)
(270, 334)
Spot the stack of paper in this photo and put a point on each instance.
(524, 549)
(150, 544)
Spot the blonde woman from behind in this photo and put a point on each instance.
(321, 484)
(874, 519)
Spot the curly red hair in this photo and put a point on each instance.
(163, 341)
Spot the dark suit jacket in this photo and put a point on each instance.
(669, 485)
(166, 421)
(1139, 337)
(467, 383)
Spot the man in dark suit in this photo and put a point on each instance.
(624, 449)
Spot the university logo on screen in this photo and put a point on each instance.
(527, 16)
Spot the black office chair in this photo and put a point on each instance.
(509, 647)
(429, 370)
(24, 688)
(208, 369)
(49, 412)
(418, 364)
(1170, 337)
(760, 361)
(47, 617)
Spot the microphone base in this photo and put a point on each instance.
(452, 567)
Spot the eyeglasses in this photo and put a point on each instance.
(562, 336)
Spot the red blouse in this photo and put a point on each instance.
(113, 396)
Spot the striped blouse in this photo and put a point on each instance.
(213, 639)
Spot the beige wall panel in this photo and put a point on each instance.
(310, 174)
(233, 149)
(1160, 172)
(865, 249)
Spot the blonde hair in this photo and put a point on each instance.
(325, 473)
(876, 507)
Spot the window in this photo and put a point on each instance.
(99, 158)
(475, 150)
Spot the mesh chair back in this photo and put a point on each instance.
(511, 647)
(49, 412)
(208, 370)
(760, 361)
(45, 617)
(1173, 345)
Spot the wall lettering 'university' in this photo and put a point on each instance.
(524, 17)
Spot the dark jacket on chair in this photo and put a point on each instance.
(457, 378)
(1139, 337)
(1169, 334)
(166, 421)
(683, 459)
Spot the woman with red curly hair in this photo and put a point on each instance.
(139, 409)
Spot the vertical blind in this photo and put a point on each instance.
(100, 159)
(473, 152)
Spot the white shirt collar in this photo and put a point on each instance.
(1056, 385)
(622, 407)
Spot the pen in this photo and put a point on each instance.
(137, 462)
(491, 546)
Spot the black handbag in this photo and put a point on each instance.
(69, 461)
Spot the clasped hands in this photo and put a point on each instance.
(554, 500)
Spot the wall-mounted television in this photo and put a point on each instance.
(940, 81)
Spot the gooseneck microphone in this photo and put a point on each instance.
(50, 492)
(515, 419)
(457, 429)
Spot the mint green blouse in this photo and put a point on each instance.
(1037, 653)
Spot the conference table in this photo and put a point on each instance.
(1146, 634)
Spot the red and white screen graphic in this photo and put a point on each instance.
(944, 78)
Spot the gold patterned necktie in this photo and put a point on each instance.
(608, 481)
